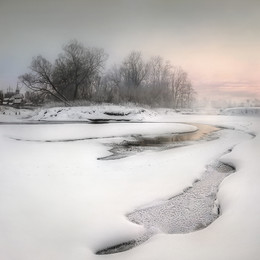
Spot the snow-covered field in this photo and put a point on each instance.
(58, 202)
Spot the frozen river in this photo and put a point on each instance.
(57, 200)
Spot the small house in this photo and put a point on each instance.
(6, 101)
(18, 100)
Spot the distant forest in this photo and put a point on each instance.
(79, 73)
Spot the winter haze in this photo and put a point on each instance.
(215, 41)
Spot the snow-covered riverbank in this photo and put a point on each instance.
(57, 201)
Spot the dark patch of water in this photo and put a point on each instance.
(104, 121)
(140, 143)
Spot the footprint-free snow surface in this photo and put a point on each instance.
(189, 211)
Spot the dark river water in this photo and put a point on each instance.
(140, 143)
(194, 209)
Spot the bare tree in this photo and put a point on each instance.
(1, 95)
(113, 85)
(179, 80)
(77, 69)
(158, 81)
(155, 83)
(41, 79)
(74, 74)
(188, 95)
(77, 73)
(34, 97)
(134, 71)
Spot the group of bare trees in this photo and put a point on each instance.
(74, 74)
(156, 83)
(79, 74)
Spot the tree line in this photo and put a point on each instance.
(79, 73)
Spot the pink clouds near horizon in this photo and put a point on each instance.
(216, 41)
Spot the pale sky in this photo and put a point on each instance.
(216, 41)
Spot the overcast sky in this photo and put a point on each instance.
(216, 41)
